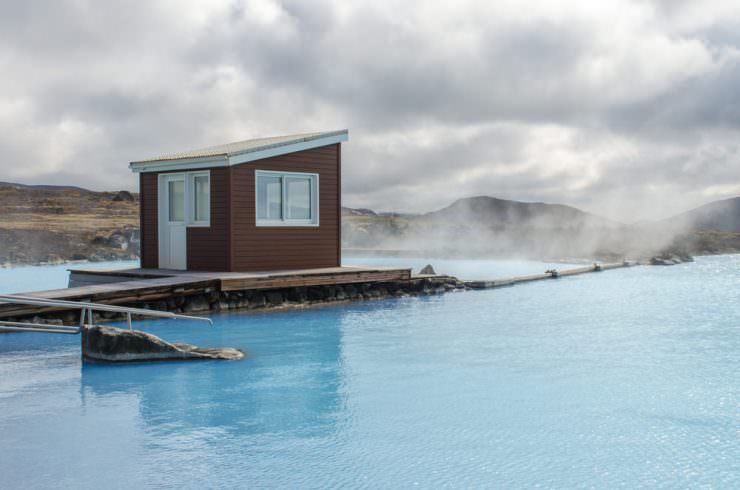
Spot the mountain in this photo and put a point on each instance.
(484, 225)
(491, 211)
(488, 226)
(721, 216)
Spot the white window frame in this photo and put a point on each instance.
(284, 221)
(190, 199)
(189, 180)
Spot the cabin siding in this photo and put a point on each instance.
(256, 248)
(233, 242)
(208, 248)
(149, 218)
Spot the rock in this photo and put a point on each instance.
(257, 301)
(351, 291)
(196, 303)
(275, 298)
(299, 294)
(427, 270)
(123, 196)
(316, 293)
(54, 259)
(330, 292)
(113, 345)
(666, 259)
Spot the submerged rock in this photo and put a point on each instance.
(114, 345)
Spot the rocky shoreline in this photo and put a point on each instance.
(38, 247)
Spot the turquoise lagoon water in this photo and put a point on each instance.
(38, 278)
(625, 379)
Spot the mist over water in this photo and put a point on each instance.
(490, 227)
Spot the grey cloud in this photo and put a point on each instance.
(565, 108)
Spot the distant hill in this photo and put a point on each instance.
(488, 226)
(50, 188)
(358, 212)
(491, 211)
(48, 223)
(721, 216)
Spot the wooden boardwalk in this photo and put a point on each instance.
(133, 286)
(510, 281)
(143, 285)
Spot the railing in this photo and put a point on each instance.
(86, 310)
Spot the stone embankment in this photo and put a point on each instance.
(300, 297)
(215, 301)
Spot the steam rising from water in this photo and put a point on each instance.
(484, 226)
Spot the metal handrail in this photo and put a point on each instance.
(86, 309)
(7, 326)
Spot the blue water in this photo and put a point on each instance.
(628, 378)
(40, 278)
(463, 269)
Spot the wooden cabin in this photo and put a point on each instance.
(255, 205)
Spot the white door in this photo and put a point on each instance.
(172, 229)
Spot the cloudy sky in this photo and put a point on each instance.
(630, 110)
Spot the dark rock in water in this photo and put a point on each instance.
(427, 270)
(667, 258)
(114, 345)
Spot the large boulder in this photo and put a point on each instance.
(427, 270)
(115, 345)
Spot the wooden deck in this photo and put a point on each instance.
(141, 285)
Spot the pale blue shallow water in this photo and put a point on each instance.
(625, 379)
(40, 278)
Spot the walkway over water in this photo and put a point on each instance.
(125, 286)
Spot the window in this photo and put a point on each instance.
(187, 197)
(269, 197)
(287, 199)
(298, 194)
(177, 200)
(201, 198)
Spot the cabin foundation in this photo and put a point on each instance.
(223, 292)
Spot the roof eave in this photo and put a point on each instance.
(290, 147)
(178, 164)
(224, 160)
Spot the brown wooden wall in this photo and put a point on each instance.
(209, 248)
(148, 209)
(273, 248)
(233, 242)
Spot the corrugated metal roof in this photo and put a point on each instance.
(246, 146)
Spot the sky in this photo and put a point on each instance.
(626, 109)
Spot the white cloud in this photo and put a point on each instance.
(627, 108)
